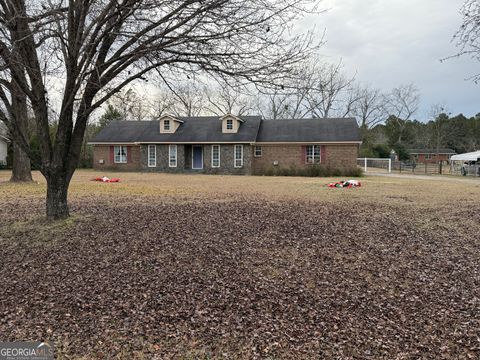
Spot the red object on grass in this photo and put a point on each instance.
(106, 179)
(345, 184)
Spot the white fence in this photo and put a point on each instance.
(385, 165)
(375, 164)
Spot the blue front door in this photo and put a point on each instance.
(197, 157)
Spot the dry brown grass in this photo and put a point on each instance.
(420, 193)
(198, 266)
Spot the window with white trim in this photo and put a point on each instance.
(238, 156)
(120, 153)
(166, 125)
(172, 156)
(428, 156)
(229, 124)
(312, 154)
(152, 155)
(215, 156)
(258, 151)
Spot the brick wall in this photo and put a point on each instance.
(293, 156)
(227, 160)
(102, 152)
(162, 152)
(342, 155)
(286, 155)
(184, 160)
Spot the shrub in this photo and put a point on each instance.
(375, 151)
(311, 171)
(85, 163)
(367, 152)
(382, 151)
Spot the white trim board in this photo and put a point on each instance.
(229, 142)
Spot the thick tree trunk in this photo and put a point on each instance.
(57, 191)
(61, 168)
(21, 171)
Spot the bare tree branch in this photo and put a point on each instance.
(100, 47)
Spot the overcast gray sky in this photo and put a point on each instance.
(393, 42)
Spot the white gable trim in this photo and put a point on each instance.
(171, 117)
(230, 116)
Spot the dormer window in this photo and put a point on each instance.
(230, 124)
(169, 124)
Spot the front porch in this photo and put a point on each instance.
(194, 157)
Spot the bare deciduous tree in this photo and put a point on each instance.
(274, 105)
(325, 96)
(438, 123)
(370, 107)
(14, 110)
(468, 36)
(291, 101)
(188, 99)
(228, 98)
(161, 104)
(21, 166)
(402, 103)
(102, 46)
(131, 105)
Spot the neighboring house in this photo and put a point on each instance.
(3, 145)
(225, 145)
(431, 155)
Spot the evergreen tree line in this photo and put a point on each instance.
(458, 133)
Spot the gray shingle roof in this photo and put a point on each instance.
(253, 129)
(122, 131)
(309, 130)
(199, 129)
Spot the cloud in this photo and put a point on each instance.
(394, 42)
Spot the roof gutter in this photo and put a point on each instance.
(227, 142)
(169, 142)
(306, 142)
(113, 143)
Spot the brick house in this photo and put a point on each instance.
(3, 145)
(225, 145)
(431, 155)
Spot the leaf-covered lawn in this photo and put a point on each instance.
(173, 266)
